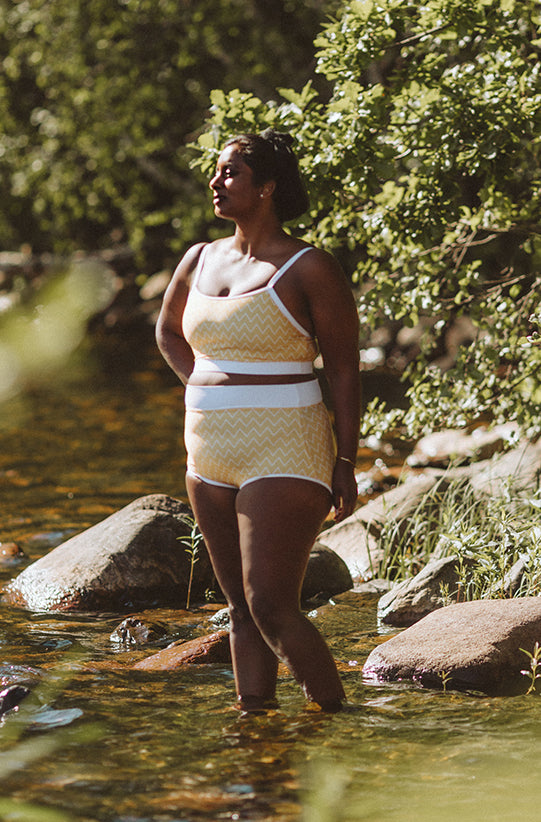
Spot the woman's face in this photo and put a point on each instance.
(234, 192)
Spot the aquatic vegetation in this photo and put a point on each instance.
(445, 677)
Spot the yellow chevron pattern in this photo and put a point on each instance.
(235, 445)
(248, 328)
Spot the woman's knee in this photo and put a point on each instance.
(239, 615)
(270, 614)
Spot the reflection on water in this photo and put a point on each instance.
(97, 741)
(75, 452)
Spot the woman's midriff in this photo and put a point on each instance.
(220, 378)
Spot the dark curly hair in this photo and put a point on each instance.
(270, 156)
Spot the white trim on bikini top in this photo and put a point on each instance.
(268, 288)
(270, 284)
(206, 365)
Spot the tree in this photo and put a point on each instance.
(424, 165)
(98, 100)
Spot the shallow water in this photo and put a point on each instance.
(98, 741)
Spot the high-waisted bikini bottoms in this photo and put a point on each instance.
(236, 434)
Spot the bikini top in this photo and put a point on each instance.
(251, 333)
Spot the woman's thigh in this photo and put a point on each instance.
(279, 520)
(215, 513)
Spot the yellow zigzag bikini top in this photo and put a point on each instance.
(251, 333)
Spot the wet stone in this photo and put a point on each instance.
(134, 558)
(11, 697)
(208, 649)
(134, 631)
(477, 646)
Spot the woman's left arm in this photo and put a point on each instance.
(336, 325)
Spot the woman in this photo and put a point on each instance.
(239, 325)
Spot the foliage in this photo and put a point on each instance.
(500, 532)
(487, 535)
(97, 101)
(424, 171)
(38, 337)
(407, 546)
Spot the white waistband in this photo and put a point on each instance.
(218, 397)
(203, 364)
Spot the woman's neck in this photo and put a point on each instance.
(252, 240)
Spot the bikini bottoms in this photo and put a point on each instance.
(236, 434)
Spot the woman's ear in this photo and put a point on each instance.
(267, 190)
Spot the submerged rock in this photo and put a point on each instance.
(477, 646)
(203, 650)
(133, 558)
(10, 553)
(11, 697)
(135, 631)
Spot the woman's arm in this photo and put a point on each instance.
(336, 325)
(174, 348)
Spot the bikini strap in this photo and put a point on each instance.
(275, 277)
(199, 267)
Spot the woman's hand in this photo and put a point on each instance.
(345, 491)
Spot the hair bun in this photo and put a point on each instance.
(279, 139)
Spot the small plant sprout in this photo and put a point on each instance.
(445, 677)
(445, 596)
(192, 541)
(535, 664)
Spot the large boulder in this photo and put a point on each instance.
(519, 468)
(477, 646)
(134, 558)
(137, 558)
(447, 447)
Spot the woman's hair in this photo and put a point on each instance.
(271, 157)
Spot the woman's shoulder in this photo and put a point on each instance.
(188, 263)
(317, 262)
(192, 255)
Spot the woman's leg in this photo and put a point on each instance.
(279, 520)
(254, 663)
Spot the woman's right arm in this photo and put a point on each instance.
(174, 348)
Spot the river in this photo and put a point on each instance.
(97, 742)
